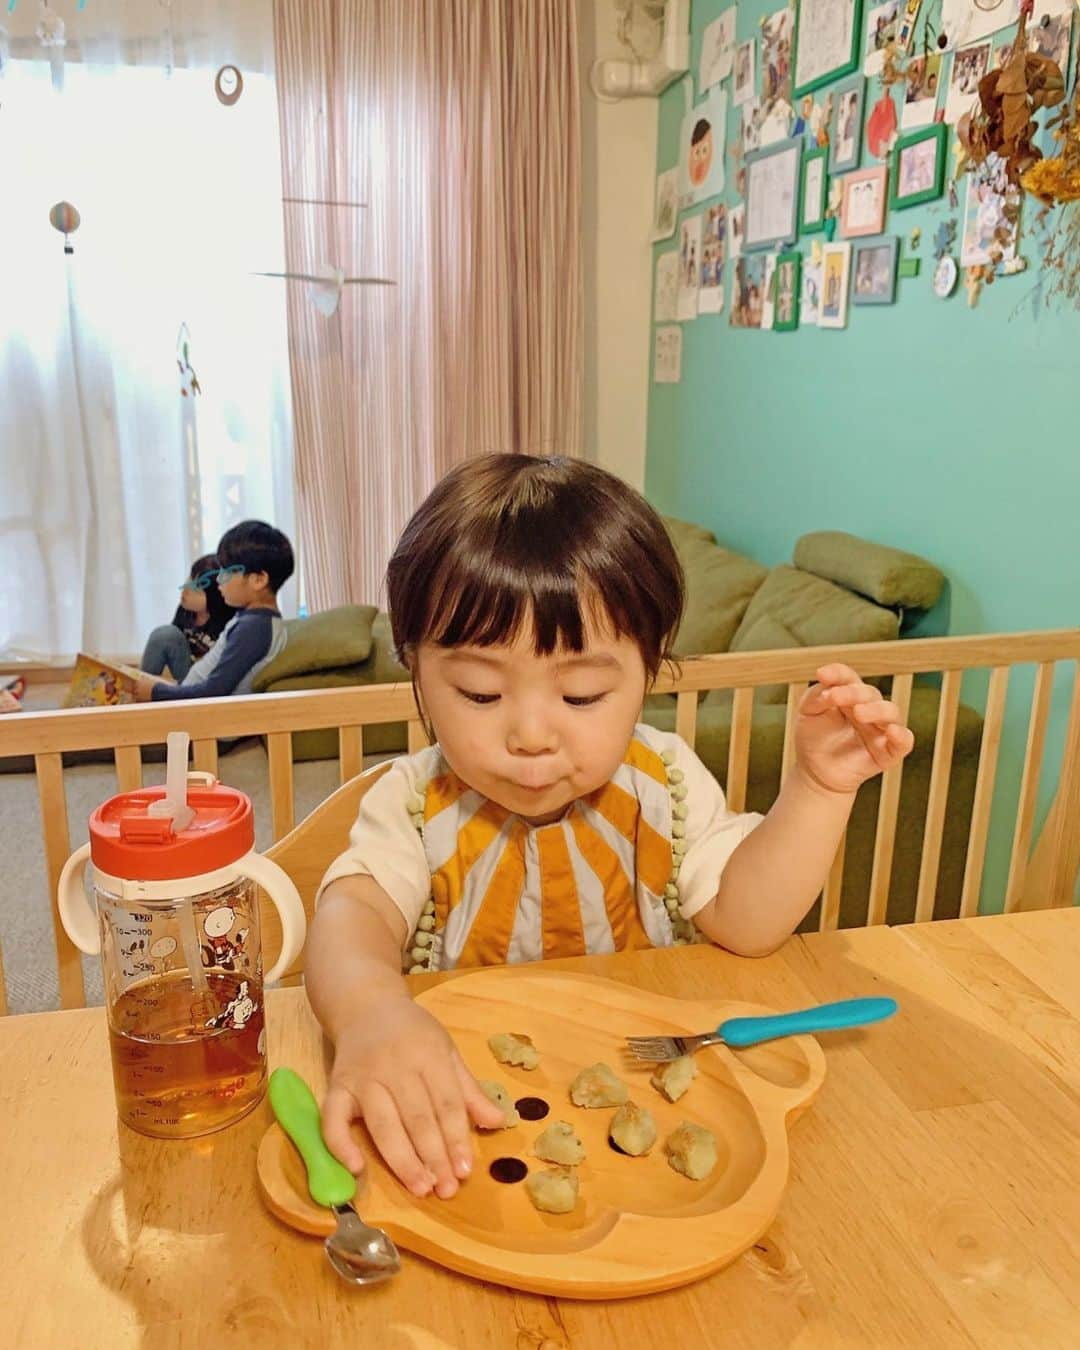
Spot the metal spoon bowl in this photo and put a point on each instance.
(359, 1253)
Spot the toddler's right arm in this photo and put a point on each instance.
(395, 1066)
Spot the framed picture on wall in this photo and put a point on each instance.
(835, 275)
(845, 134)
(813, 191)
(919, 167)
(788, 282)
(873, 270)
(827, 34)
(772, 196)
(862, 208)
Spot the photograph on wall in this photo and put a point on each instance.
(689, 267)
(701, 159)
(835, 269)
(906, 28)
(826, 42)
(744, 72)
(991, 217)
(969, 65)
(874, 280)
(768, 291)
(776, 34)
(667, 355)
(923, 85)
(736, 228)
(1049, 32)
(862, 209)
(881, 25)
(752, 114)
(845, 141)
(666, 212)
(717, 50)
(810, 293)
(666, 287)
(966, 21)
(713, 252)
(919, 169)
(747, 291)
(788, 277)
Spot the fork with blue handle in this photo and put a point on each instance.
(738, 1032)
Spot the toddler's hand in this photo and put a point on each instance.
(847, 732)
(401, 1073)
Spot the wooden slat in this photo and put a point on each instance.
(984, 791)
(940, 772)
(686, 717)
(1029, 785)
(350, 752)
(205, 756)
(829, 915)
(128, 768)
(888, 805)
(1066, 855)
(418, 737)
(54, 828)
(794, 698)
(905, 656)
(742, 714)
(282, 805)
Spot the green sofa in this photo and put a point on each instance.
(838, 590)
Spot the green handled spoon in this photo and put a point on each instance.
(359, 1253)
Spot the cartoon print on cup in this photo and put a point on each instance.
(220, 949)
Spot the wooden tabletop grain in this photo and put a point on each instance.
(933, 1199)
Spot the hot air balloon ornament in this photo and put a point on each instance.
(66, 219)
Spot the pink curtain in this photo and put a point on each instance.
(456, 123)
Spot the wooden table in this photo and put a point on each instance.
(933, 1197)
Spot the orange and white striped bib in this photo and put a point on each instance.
(600, 879)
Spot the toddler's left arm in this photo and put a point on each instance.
(845, 733)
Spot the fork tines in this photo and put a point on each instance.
(656, 1049)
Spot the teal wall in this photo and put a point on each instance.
(944, 430)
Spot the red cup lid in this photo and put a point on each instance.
(128, 843)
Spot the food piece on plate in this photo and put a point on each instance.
(672, 1079)
(633, 1129)
(554, 1191)
(498, 1094)
(691, 1150)
(559, 1144)
(510, 1047)
(597, 1086)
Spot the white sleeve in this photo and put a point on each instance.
(385, 845)
(713, 833)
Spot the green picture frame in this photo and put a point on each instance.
(791, 260)
(837, 64)
(808, 182)
(931, 178)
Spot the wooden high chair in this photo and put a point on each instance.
(307, 851)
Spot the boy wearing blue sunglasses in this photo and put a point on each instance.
(254, 560)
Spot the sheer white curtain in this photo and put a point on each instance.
(110, 481)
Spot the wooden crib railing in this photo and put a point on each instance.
(1041, 873)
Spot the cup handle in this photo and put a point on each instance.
(79, 920)
(279, 886)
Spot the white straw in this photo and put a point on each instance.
(175, 807)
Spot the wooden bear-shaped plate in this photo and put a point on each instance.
(639, 1226)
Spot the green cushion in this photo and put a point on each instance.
(795, 609)
(887, 575)
(719, 586)
(326, 641)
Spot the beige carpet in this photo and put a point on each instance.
(26, 932)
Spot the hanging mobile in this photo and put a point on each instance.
(66, 219)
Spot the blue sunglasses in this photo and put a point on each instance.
(205, 580)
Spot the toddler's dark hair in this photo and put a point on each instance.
(507, 539)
